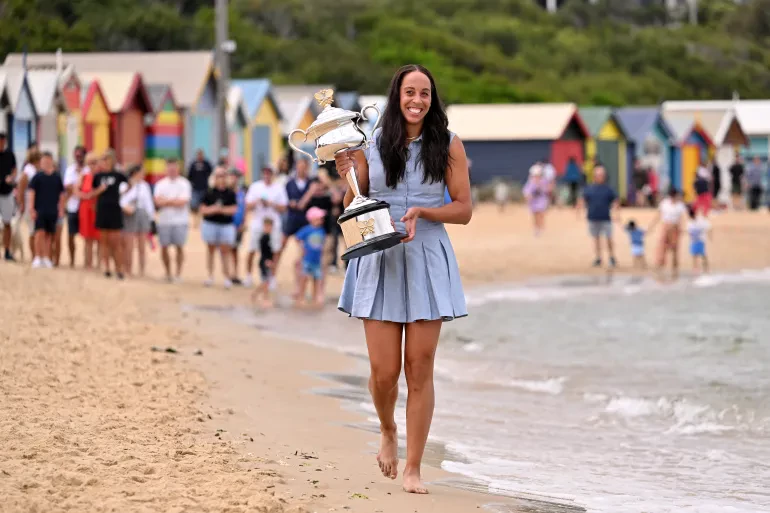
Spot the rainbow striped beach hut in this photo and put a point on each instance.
(164, 131)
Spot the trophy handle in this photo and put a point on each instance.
(304, 138)
(364, 118)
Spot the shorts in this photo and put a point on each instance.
(73, 223)
(196, 197)
(637, 251)
(172, 235)
(110, 218)
(698, 248)
(216, 234)
(255, 233)
(600, 228)
(7, 208)
(138, 222)
(311, 270)
(46, 221)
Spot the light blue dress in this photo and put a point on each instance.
(418, 280)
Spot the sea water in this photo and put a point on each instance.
(616, 395)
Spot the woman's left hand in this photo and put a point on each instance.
(410, 223)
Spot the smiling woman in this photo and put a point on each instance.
(409, 290)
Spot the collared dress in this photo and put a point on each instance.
(413, 281)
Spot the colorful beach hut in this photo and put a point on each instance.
(70, 125)
(191, 75)
(22, 115)
(606, 144)
(505, 140)
(650, 140)
(237, 123)
(96, 118)
(754, 116)
(128, 104)
(164, 131)
(695, 148)
(299, 109)
(264, 142)
(51, 106)
(720, 120)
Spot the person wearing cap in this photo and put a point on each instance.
(265, 198)
(7, 201)
(537, 192)
(312, 237)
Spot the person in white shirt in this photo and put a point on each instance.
(138, 211)
(72, 178)
(172, 199)
(671, 212)
(265, 198)
(25, 207)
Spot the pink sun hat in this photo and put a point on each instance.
(315, 213)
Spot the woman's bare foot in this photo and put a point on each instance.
(387, 458)
(412, 482)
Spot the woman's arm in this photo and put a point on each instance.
(460, 210)
(345, 162)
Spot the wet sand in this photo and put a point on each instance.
(94, 420)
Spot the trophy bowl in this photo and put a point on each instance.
(366, 223)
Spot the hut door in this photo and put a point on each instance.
(20, 140)
(607, 153)
(690, 156)
(260, 150)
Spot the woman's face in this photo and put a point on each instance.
(415, 97)
(232, 181)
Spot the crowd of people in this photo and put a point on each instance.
(118, 215)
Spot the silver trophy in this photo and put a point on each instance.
(366, 223)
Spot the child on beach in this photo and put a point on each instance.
(47, 207)
(266, 265)
(312, 238)
(697, 227)
(637, 244)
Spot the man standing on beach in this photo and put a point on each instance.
(600, 200)
(265, 198)
(72, 179)
(172, 199)
(7, 201)
(198, 176)
(754, 175)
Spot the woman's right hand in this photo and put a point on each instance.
(344, 162)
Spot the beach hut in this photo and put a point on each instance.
(164, 131)
(264, 142)
(237, 126)
(606, 145)
(504, 140)
(190, 74)
(754, 116)
(96, 117)
(21, 115)
(650, 140)
(695, 147)
(128, 104)
(721, 121)
(70, 124)
(51, 106)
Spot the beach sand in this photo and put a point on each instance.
(95, 420)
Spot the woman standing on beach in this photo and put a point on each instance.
(411, 289)
(536, 190)
(671, 212)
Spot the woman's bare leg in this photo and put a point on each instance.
(141, 244)
(419, 356)
(383, 339)
(128, 241)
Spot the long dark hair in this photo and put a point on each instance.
(434, 150)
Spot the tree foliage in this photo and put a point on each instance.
(612, 52)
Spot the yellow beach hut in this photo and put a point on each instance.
(606, 145)
(264, 142)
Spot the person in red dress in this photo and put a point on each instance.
(87, 212)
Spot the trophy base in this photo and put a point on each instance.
(379, 243)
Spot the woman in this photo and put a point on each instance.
(87, 211)
(31, 165)
(672, 211)
(412, 159)
(217, 228)
(234, 182)
(138, 212)
(536, 191)
(109, 215)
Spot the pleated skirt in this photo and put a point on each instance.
(416, 281)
